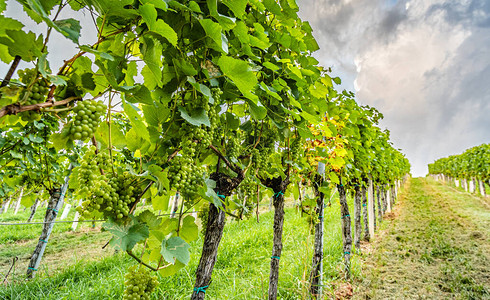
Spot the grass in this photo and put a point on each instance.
(65, 246)
(436, 248)
(26, 232)
(241, 271)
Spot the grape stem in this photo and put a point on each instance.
(232, 166)
(15, 108)
(130, 253)
(57, 110)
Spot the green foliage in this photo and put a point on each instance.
(228, 89)
(474, 162)
(126, 236)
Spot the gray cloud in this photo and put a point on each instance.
(474, 13)
(424, 64)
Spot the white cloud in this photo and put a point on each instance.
(424, 64)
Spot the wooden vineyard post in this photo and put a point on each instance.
(77, 217)
(380, 207)
(388, 200)
(175, 205)
(66, 211)
(472, 185)
(17, 204)
(33, 210)
(5, 206)
(481, 187)
(35, 206)
(56, 201)
(393, 196)
(371, 207)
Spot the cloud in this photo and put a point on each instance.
(424, 64)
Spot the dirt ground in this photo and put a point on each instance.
(433, 246)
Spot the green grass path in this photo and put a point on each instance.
(241, 271)
(435, 247)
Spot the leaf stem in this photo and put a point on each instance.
(143, 263)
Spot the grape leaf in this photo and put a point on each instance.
(8, 23)
(189, 230)
(125, 237)
(149, 219)
(213, 31)
(136, 121)
(22, 44)
(171, 269)
(195, 117)
(134, 140)
(43, 66)
(70, 28)
(237, 6)
(161, 176)
(242, 75)
(175, 248)
(158, 26)
(88, 81)
(160, 202)
(139, 94)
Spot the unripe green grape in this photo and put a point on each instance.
(139, 283)
(32, 93)
(86, 119)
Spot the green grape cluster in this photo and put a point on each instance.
(139, 283)
(108, 194)
(234, 146)
(200, 136)
(184, 174)
(248, 190)
(35, 92)
(296, 149)
(203, 216)
(203, 135)
(87, 119)
(213, 115)
(264, 150)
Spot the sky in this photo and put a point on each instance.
(425, 64)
